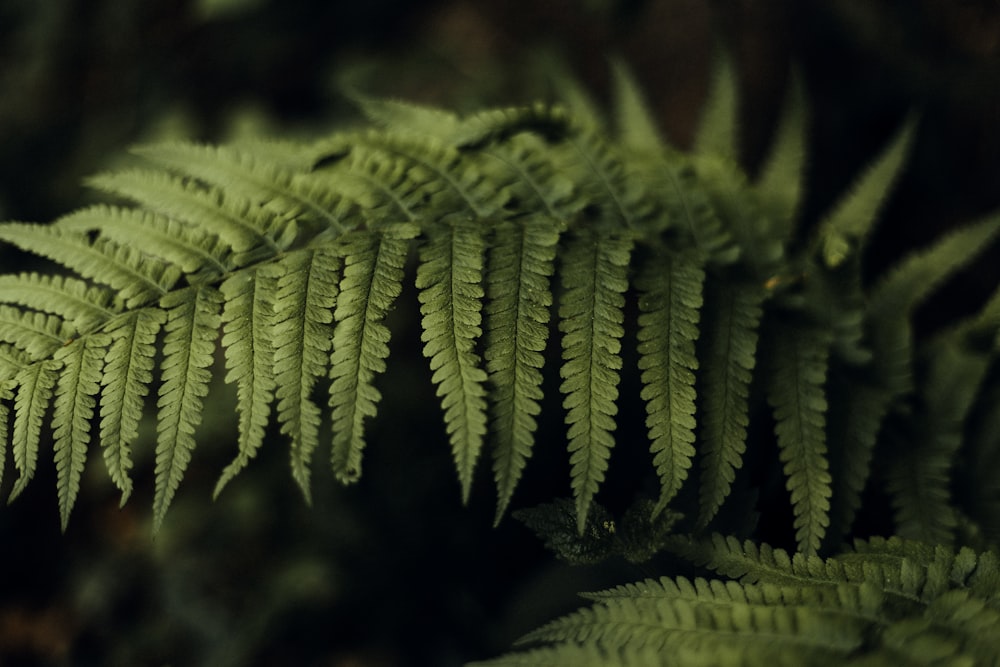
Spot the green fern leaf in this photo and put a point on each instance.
(125, 384)
(520, 297)
(670, 300)
(238, 222)
(79, 303)
(781, 178)
(307, 287)
(34, 394)
(37, 334)
(373, 274)
(178, 244)
(800, 355)
(595, 278)
(717, 132)
(7, 388)
(192, 327)
(732, 317)
(271, 184)
(451, 294)
(137, 280)
(532, 178)
(637, 129)
(249, 301)
(846, 228)
(79, 381)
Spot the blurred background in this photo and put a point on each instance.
(394, 571)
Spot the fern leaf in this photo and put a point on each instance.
(919, 481)
(732, 318)
(717, 132)
(79, 381)
(138, 280)
(846, 228)
(179, 244)
(398, 115)
(192, 327)
(249, 301)
(279, 189)
(300, 330)
(533, 178)
(899, 292)
(637, 129)
(496, 126)
(520, 297)
(595, 278)
(670, 300)
(781, 178)
(125, 384)
(239, 223)
(37, 334)
(373, 275)
(77, 302)
(12, 360)
(451, 294)
(34, 394)
(857, 411)
(7, 388)
(796, 392)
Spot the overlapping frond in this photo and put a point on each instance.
(595, 278)
(517, 317)
(450, 282)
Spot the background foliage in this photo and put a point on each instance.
(387, 572)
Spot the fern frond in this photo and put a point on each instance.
(275, 186)
(728, 356)
(176, 243)
(796, 391)
(399, 115)
(717, 131)
(637, 129)
(125, 383)
(845, 229)
(241, 224)
(595, 278)
(7, 388)
(137, 280)
(307, 288)
(781, 178)
(191, 327)
(79, 303)
(532, 178)
(37, 334)
(451, 296)
(517, 317)
(373, 274)
(246, 315)
(79, 381)
(670, 300)
(34, 394)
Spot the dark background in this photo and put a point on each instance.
(394, 571)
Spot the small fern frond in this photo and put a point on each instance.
(718, 129)
(37, 334)
(241, 224)
(595, 278)
(517, 317)
(82, 305)
(176, 243)
(306, 294)
(192, 326)
(670, 300)
(534, 180)
(637, 129)
(246, 314)
(372, 280)
(796, 391)
(82, 362)
(127, 375)
(781, 179)
(7, 388)
(451, 296)
(255, 179)
(35, 383)
(845, 229)
(136, 278)
(728, 356)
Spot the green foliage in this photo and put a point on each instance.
(523, 223)
(882, 602)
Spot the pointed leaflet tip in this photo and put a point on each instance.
(717, 132)
(635, 123)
